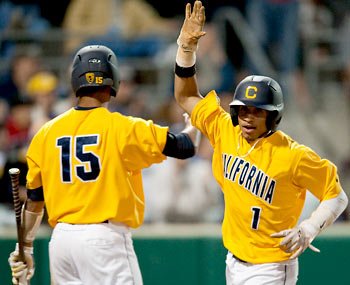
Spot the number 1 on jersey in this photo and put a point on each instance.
(256, 217)
(65, 143)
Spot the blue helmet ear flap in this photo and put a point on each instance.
(234, 114)
(272, 120)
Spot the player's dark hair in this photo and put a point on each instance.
(89, 91)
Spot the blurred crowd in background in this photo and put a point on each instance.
(304, 45)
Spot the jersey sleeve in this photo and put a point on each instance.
(317, 175)
(33, 161)
(205, 116)
(142, 144)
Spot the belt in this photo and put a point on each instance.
(238, 258)
(104, 222)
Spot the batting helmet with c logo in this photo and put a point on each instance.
(261, 92)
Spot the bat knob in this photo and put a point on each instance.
(14, 171)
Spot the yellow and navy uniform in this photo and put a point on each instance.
(264, 190)
(88, 162)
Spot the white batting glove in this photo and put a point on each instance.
(298, 239)
(192, 28)
(21, 272)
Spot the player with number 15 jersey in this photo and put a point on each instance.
(88, 162)
(85, 166)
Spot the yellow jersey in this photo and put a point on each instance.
(88, 162)
(264, 187)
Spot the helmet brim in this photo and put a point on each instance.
(266, 107)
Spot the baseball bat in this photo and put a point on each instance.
(14, 174)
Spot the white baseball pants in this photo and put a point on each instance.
(93, 254)
(278, 273)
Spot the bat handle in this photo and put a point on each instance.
(14, 174)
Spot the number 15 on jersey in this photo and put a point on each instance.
(67, 152)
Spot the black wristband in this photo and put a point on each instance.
(36, 194)
(185, 71)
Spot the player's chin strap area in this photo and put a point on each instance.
(261, 137)
(30, 223)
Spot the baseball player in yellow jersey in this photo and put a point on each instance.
(85, 166)
(263, 173)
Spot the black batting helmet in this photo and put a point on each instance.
(95, 66)
(262, 92)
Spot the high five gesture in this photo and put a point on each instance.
(192, 28)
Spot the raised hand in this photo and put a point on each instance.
(192, 28)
